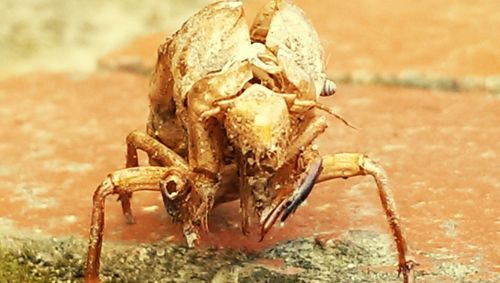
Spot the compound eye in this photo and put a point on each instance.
(329, 88)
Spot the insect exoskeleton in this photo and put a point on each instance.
(232, 117)
(258, 122)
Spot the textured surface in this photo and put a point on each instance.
(63, 145)
(62, 133)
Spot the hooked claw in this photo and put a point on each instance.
(288, 205)
(407, 270)
(304, 189)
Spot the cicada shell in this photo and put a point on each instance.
(232, 117)
(214, 81)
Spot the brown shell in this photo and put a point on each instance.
(205, 44)
(298, 52)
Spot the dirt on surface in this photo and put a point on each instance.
(362, 258)
(63, 132)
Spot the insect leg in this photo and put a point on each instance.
(310, 132)
(120, 182)
(206, 136)
(154, 149)
(157, 152)
(345, 165)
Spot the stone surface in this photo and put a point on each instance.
(62, 135)
(301, 260)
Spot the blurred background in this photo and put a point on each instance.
(58, 35)
(451, 45)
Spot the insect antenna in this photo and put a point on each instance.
(330, 111)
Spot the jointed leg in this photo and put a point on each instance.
(314, 127)
(125, 181)
(345, 165)
(206, 136)
(159, 153)
(156, 151)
